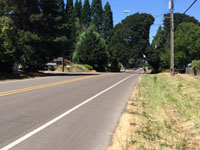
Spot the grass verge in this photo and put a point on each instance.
(163, 114)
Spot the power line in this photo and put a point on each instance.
(190, 6)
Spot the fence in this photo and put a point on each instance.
(191, 72)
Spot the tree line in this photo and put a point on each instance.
(33, 32)
(187, 43)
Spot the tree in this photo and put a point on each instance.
(91, 49)
(130, 39)
(97, 15)
(24, 16)
(7, 44)
(187, 44)
(70, 29)
(107, 22)
(178, 18)
(38, 27)
(156, 50)
(77, 9)
(80, 8)
(86, 14)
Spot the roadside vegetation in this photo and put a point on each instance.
(163, 114)
(76, 68)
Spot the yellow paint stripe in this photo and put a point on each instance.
(43, 86)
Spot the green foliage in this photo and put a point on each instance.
(77, 9)
(178, 19)
(195, 66)
(156, 50)
(115, 65)
(130, 39)
(187, 43)
(70, 29)
(97, 14)
(91, 49)
(179, 55)
(86, 14)
(107, 22)
(7, 49)
(88, 67)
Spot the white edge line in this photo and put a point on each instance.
(16, 142)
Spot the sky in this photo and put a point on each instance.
(155, 7)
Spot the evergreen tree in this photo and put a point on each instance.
(97, 15)
(107, 22)
(154, 53)
(76, 9)
(70, 29)
(80, 8)
(86, 14)
(37, 24)
(91, 49)
(52, 34)
(27, 38)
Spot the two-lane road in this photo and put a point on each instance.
(69, 112)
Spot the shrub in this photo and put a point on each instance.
(195, 66)
(88, 67)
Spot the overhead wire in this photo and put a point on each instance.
(190, 6)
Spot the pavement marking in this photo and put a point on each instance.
(30, 134)
(44, 86)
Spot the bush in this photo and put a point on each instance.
(88, 67)
(195, 66)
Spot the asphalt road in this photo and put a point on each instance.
(64, 112)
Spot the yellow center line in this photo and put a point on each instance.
(44, 86)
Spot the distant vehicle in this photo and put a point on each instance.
(134, 68)
(52, 66)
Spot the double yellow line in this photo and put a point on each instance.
(43, 86)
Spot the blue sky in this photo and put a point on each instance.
(155, 7)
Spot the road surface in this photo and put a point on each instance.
(64, 112)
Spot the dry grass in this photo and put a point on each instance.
(162, 114)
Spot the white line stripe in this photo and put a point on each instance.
(11, 145)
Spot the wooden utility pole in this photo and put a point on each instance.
(171, 7)
(63, 64)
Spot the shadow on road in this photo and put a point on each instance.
(14, 76)
(70, 74)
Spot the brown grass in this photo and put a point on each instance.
(162, 114)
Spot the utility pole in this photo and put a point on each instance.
(63, 64)
(171, 7)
